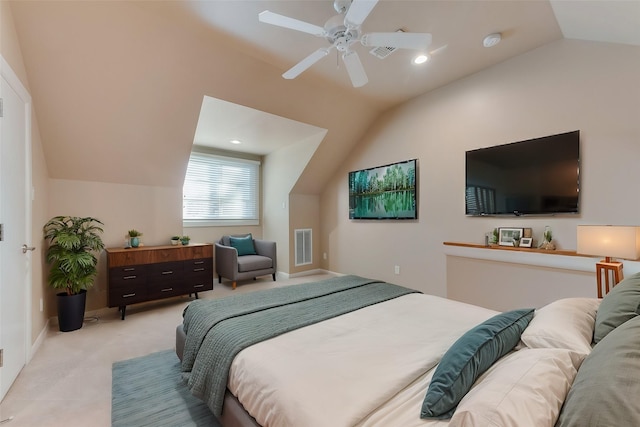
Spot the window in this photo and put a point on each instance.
(220, 191)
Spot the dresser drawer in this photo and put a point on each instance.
(196, 284)
(124, 296)
(165, 272)
(165, 290)
(128, 276)
(129, 257)
(198, 266)
(193, 252)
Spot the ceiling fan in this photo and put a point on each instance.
(342, 31)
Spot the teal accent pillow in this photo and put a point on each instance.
(607, 383)
(244, 245)
(470, 356)
(619, 305)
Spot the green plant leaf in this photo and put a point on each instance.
(73, 242)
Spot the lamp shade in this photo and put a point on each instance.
(609, 241)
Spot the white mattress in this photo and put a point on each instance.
(367, 368)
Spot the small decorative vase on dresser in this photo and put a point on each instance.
(134, 238)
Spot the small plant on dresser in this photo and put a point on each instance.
(134, 238)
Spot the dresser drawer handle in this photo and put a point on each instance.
(198, 286)
(198, 262)
(198, 269)
(129, 277)
(167, 272)
(167, 290)
(128, 295)
(129, 269)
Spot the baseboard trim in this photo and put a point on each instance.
(309, 273)
(38, 342)
(89, 315)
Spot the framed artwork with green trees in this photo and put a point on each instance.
(384, 192)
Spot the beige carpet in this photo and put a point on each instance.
(68, 381)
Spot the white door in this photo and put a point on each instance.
(15, 213)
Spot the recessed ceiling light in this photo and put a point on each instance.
(421, 59)
(492, 40)
(235, 141)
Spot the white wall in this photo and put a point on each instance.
(282, 169)
(155, 211)
(563, 86)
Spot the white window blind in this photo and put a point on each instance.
(220, 190)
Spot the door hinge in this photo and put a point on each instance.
(1, 232)
(1, 357)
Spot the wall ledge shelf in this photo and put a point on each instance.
(563, 259)
(510, 248)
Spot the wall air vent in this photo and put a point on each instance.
(382, 52)
(303, 247)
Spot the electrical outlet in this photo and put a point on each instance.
(324, 255)
(396, 270)
(41, 305)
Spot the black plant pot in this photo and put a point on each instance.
(71, 310)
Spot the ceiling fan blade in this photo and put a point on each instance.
(417, 41)
(355, 69)
(307, 62)
(294, 24)
(358, 12)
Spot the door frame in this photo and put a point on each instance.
(12, 79)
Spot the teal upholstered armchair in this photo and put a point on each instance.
(243, 257)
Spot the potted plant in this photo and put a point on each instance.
(175, 240)
(185, 240)
(134, 237)
(73, 244)
(547, 242)
(494, 237)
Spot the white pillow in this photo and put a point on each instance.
(565, 323)
(524, 388)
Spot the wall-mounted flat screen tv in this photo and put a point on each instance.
(384, 192)
(535, 177)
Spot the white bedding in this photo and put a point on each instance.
(367, 368)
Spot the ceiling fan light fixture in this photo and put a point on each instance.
(492, 40)
(341, 6)
(342, 31)
(421, 59)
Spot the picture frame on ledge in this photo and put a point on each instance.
(506, 235)
(526, 242)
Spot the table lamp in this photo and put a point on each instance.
(610, 241)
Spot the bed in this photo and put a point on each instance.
(352, 351)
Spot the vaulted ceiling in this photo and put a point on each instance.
(118, 86)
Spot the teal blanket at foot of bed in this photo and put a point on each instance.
(217, 330)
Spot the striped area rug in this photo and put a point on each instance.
(148, 391)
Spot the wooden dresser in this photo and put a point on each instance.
(155, 272)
